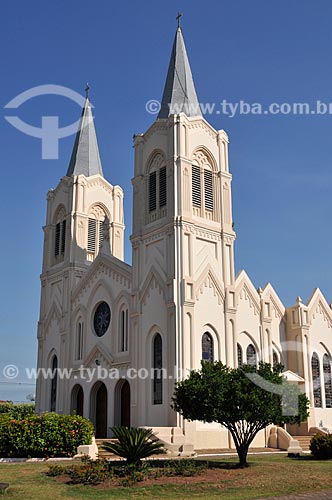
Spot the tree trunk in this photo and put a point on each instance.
(242, 452)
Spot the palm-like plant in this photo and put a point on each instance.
(134, 444)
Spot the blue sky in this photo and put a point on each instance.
(258, 51)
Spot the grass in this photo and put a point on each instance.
(267, 476)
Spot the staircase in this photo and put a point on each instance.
(304, 441)
(103, 453)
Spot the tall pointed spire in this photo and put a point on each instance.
(179, 92)
(85, 159)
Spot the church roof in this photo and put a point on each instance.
(85, 159)
(179, 92)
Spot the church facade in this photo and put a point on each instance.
(117, 336)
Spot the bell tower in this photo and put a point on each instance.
(183, 259)
(73, 234)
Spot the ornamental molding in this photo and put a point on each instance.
(99, 352)
(248, 296)
(98, 211)
(156, 127)
(151, 236)
(279, 314)
(270, 294)
(203, 157)
(98, 181)
(318, 305)
(246, 290)
(98, 270)
(153, 281)
(64, 185)
(228, 239)
(201, 232)
(321, 309)
(200, 159)
(203, 126)
(155, 237)
(54, 314)
(156, 160)
(208, 279)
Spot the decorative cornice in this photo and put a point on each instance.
(103, 266)
(99, 351)
(208, 279)
(152, 281)
(202, 232)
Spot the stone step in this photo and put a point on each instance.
(304, 442)
(104, 453)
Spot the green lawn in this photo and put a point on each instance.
(267, 476)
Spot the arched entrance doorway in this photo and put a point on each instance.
(122, 403)
(98, 406)
(77, 400)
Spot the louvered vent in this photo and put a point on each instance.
(208, 189)
(57, 239)
(101, 233)
(63, 237)
(162, 187)
(92, 235)
(196, 186)
(152, 191)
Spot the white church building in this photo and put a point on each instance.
(180, 301)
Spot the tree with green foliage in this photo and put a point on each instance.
(134, 444)
(244, 400)
(17, 410)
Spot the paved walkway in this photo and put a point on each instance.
(319, 495)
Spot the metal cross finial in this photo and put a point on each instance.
(178, 18)
(87, 88)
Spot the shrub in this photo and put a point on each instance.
(17, 411)
(134, 444)
(185, 467)
(56, 470)
(48, 435)
(90, 472)
(133, 474)
(321, 446)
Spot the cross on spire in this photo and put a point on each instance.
(178, 18)
(87, 88)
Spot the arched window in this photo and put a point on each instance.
(95, 231)
(79, 341)
(162, 187)
(202, 182)
(208, 190)
(157, 197)
(152, 191)
(157, 187)
(202, 187)
(207, 348)
(327, 381)
(196, 186)
(157, 370)
(251, 355)
(60, 235)
(123, 329)
(316, 381)
(54, 383)
(275, 359)
(239, 356)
